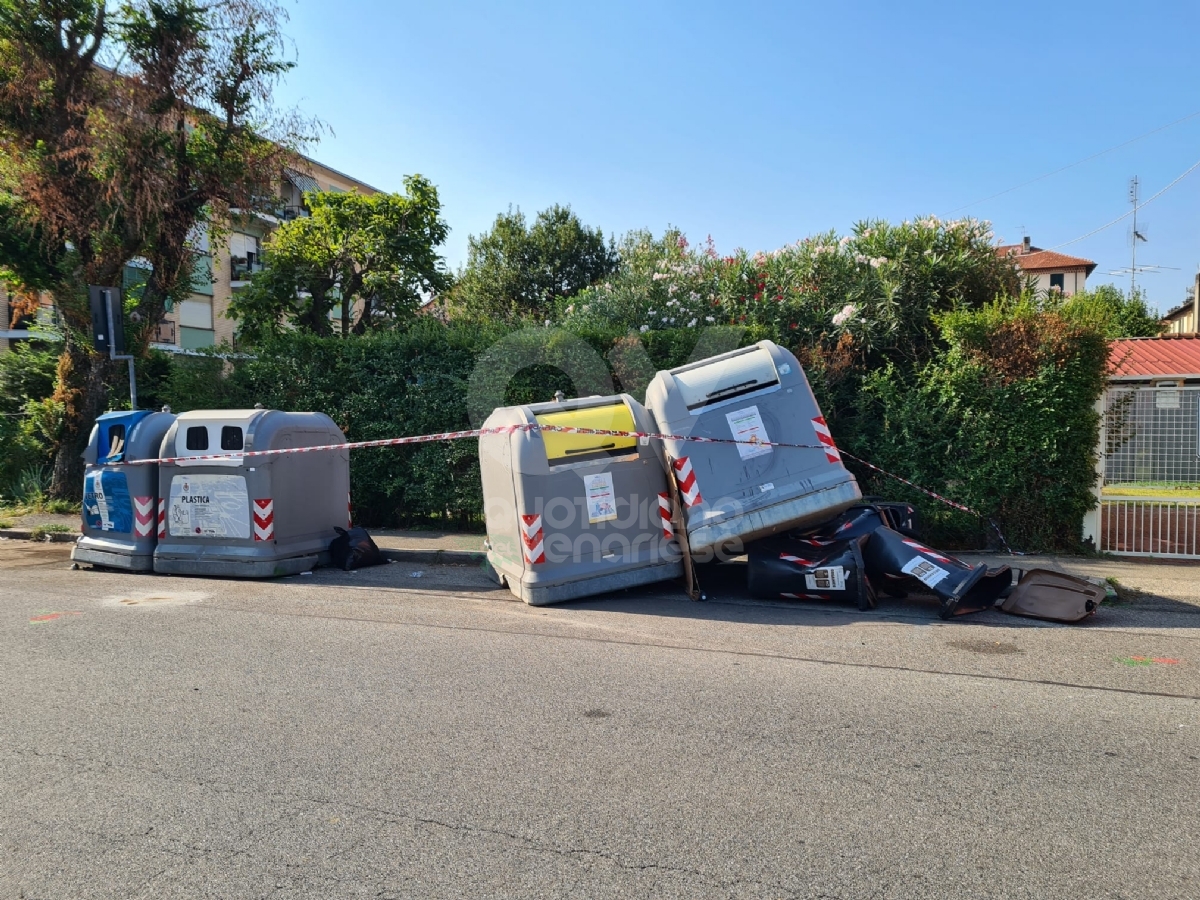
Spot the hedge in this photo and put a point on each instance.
(1001, 418)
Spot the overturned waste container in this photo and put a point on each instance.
(573, 515)
(739, 492)
(120, 500)
(895, 562)
(226, 514)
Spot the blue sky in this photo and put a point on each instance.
(761, 123)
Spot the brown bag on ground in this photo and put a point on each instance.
(1042, 594)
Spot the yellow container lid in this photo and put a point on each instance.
(563, 447)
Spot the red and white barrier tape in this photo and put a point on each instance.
(473, 433)
(825, 446)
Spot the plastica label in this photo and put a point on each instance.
(209, 506)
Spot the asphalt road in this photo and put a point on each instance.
(383, 735)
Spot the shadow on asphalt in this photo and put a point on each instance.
(728, 600)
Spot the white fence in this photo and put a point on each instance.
(1150, 502)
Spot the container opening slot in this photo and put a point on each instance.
(116, 441)
(231, 437)
(734, 390)
(197, 438)
(575, 450)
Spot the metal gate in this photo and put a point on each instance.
(1150, 498)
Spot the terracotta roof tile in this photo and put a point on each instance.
(1038, 260)
(1158, 357)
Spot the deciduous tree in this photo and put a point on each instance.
(367, 259)
(121, 128)
(519, 271)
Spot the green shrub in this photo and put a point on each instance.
(1003, 421)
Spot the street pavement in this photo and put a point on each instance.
(411, 731)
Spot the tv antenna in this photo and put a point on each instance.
(1135, 235)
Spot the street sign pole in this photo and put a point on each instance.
(107, 297)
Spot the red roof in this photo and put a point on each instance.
(1158, 357)
(1037, 260)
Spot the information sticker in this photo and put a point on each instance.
(209, 506)
(747, 425)
(601, 500)
(924, 571)
(828, 578)
(106, 503)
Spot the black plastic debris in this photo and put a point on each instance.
(809, 570)
(1042, 594)
(861, 520)
(895, 561)
(354, 549)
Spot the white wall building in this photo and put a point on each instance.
(1050, 271)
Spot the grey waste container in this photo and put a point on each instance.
(736, 493)
(120, 501)
(250, 517)
(573, 515)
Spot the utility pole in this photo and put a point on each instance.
(1133, 198)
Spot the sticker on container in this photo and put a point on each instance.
(209, 506)
(924, 571)
(106, 503)
(829, 578)
(747, 425)
(601, 499)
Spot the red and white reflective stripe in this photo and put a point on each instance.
(162, 518)
(532, 538)
(932, 554)
(688, 489)
(349, 511)
(815, 542)
(664, 515)
(143, 516)
(796, 559)
(264, 519)
(803, 596)
(826, 439)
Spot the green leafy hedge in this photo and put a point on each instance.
(1001, 419)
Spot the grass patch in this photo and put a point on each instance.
(1176, 490)
(1120, 594)
(40, 507)
(43, 532)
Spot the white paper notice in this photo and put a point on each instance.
(747, 425)
(209, 506)
(924, 571)
(829, 578)
(601, 501)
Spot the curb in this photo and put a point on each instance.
(435, 557)
(26, 534)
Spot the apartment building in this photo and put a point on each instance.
(220, 272)
(200, 320)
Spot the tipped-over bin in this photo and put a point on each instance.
(572, 515)
(734, 493)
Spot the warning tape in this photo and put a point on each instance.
(473, 433)
(565, 429)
